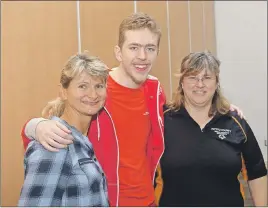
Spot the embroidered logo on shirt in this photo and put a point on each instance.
(222, 133)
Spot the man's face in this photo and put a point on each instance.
(137, 54)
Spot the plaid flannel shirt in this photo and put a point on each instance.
(70, 177)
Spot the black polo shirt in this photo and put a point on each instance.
(200, 167)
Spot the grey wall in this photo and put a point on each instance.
(241, 36)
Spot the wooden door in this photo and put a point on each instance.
(37, 39)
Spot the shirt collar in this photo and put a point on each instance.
(182, 111)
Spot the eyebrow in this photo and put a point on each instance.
(83, 82)
(140, 45)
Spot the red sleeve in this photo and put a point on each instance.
(25, 139)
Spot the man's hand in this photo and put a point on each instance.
(53, 135)
(238, 110)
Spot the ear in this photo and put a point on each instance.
(158, 51)
(117, 52)
(62, 92)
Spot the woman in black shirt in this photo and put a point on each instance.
(206, 145)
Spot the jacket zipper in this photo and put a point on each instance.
(117, 156)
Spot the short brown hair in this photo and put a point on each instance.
(138, 21)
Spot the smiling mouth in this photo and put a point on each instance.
(141, 67)
(90, 103)
(199, 92)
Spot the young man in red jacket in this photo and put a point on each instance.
(127, 135)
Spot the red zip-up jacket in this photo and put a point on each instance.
(102, 135)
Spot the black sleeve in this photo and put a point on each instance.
(252, 154)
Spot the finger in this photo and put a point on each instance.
(234, 106)
(48, 147)
(61, 140)
(63, 128)
(62, 134)
(55, 144)
(70, 137)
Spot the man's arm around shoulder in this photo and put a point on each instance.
(29, 130)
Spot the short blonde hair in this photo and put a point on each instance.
(138, 21)
(193, 64)
(75, 65)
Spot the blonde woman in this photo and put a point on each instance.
(71, 176)
(206, 145)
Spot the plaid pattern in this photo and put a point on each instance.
(70, 177)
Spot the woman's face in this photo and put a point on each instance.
(86, 94)
(199, 89)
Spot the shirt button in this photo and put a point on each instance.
(151, 97)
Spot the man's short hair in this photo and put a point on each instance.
(138, 21)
